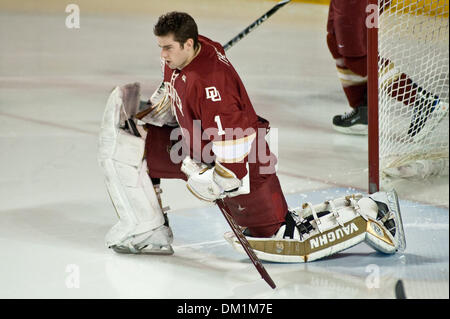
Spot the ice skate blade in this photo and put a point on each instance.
(358, 129)
(166, 250)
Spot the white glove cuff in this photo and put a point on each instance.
(225, 178)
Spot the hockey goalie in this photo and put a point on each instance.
(223, 156)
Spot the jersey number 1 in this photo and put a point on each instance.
(219, 125)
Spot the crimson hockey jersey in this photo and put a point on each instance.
(211, 105)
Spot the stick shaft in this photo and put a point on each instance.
(255, 24)
(245, 244)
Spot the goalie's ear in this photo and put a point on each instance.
(189, 44)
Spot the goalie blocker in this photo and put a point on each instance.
(313, 232)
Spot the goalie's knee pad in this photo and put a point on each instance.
(141, 219)
(313, 232)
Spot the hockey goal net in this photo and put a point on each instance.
(411, 46)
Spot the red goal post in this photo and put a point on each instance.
(408, 88)
(372, 95)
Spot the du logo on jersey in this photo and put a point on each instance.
(213, 94)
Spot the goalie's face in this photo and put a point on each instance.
(175, 55)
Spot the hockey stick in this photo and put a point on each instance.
(255, 24)
(245, 244)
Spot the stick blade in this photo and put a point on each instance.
(400, 290)
(245, 244)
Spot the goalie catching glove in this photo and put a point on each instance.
(212, 183)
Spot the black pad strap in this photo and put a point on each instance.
(304, 227)
(320, 214)
(383, 209)
(290, 226)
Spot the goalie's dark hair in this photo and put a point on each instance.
(180, 24)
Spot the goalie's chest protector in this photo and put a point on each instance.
(208, 90)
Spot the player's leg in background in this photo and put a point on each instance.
(402, 88)
(346, 41)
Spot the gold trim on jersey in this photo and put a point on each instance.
(233, 151)
(231, 160)
(235, 142)
(347, 83)
(345, 71)
(349, 78)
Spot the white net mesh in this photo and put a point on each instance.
(413, 40)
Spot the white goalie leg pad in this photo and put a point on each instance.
(129, 186)
(314, 232)
(342, 210)
(380, 237)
